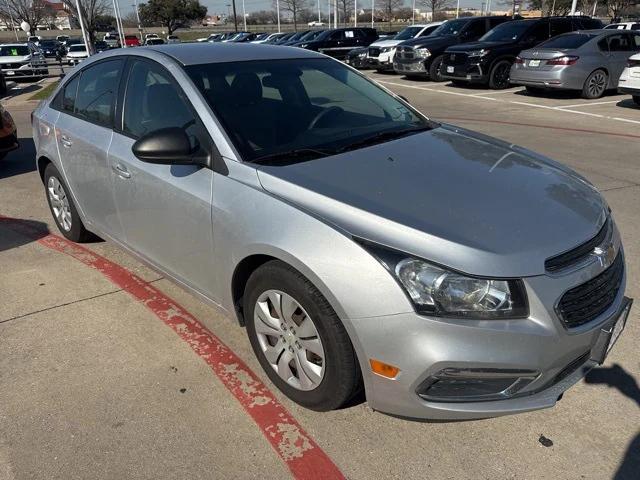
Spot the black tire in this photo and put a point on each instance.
(534, 90)
(636, 98)
(499, 75)
(435, 68)
(595, 85)
(342, 378)
(77, 233)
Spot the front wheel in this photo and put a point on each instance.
(499, 75)
(435, 69)
(595, 85)
(298, 338)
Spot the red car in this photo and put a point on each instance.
(131, 41)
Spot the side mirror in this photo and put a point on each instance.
(167, 146)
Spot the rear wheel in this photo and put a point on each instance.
(62, 207)
(636, 98)
(435, 69)
(595, 85)
(499, 75)
(298, 338)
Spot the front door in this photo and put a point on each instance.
(84, 133)
(165, 210)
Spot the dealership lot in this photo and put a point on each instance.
(93, 384)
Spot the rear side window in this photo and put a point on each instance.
(475, 29)
(539, 32)
(619, 43)
(66, 99)
(97, 92)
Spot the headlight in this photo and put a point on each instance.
(478, 53)
(422, 52)
(438, 291)
(387, 49)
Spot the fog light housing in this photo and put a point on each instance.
(474, 384)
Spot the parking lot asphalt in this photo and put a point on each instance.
(96, 384)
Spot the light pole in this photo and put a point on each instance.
(116, 11)
(319, 19)
(84, 30)
(135, 5)
(413, 12)
(458, 9)
(235, 15)
(372, 10)
(244, 16)
(355, 13)
(278, 13)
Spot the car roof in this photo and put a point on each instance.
(199, 53)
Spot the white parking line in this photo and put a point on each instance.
(495, 92)
(588, 104)
(565, 109)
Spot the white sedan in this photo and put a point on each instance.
(630, 78)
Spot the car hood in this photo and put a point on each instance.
(386, 43)
(451, 196)
(468, 47)
(14, 59)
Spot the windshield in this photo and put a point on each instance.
(273, 107)
(311, 35)
(407, 33)
(451, 27)
(77, 48)
(570, 40)
(507, 32)
(14, 51)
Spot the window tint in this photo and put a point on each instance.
(153, 101)
(619, 43)
(427, 31)
(539, 32)
(559, 26)
(97, 92)
(68, 95)
(338, 35)
(475, 29)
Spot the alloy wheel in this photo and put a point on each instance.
(59, 203)
(501, 75)
(597, 84)
(289, 340)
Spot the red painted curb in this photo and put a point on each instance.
(302, 455)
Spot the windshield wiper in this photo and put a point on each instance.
(292, 156)
(384, 136)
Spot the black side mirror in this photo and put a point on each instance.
(167, 146)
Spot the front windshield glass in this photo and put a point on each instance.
(407, 33)
(77, 48)
(273, 107)
(451, 27)
(507, 32)
(14, 51)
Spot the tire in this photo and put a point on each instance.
(595, 85)
(434, 69)
(499, 75)
(636, 98)
(70, 225)
(337, 377)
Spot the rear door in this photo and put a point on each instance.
(83, 134)
(165, 210)
(619, 51)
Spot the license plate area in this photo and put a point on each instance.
(450, 69)
(534, 63)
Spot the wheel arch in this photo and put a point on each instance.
(239, 279)
(42, 163)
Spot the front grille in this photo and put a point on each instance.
(567, 259)
(11, 65)
(456, 58)
(374, 52)
(588, 301)
(405, 53)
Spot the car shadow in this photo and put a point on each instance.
(19, 161)
(27, 231)
(561, 94)
(628, 103)
(617, 377)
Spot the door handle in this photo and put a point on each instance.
(121, 171)
(66, 141)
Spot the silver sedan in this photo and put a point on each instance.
(588, 61)
(361, 244)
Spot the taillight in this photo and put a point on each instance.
(519, 60)
(566, 60)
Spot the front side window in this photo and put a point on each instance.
(274, 107)
(97, 92)
(451, 27)
(475, 29)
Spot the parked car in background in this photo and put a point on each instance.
(72, 41)
(244, 37)
(462, 312)
(52, 48)
(281, 39)
(8, 133)
(101, 46)
(339, 42)
(387, 34)
(422, 57)
(173, 39)
(307, 37)
(315, 23)
(624, 26)
(154, 41)
(488, 61)
(210, 38)
(358, 58)
(112, 39)
(630, 79)
(35, 39)
(295, 38)
(62, 38)
(22, 61)
(77, 53)
(131, 41)
(149, 36)
(381, 52)
(271, 38)
(589, 61)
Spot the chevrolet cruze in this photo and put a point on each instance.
(363, 246)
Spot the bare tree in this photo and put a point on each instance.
(34, 12)
(618, 7)
(435, 6)
(92, 11)
(346, 9)
(293, 7)
(388, 8)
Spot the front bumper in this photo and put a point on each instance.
(24, 72)
(421, 347)
(468, 72)
(410, 67)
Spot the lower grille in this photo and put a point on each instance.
(374, 52)
(588, 301)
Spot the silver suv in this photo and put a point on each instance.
(363, 246)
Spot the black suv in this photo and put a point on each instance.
(423, 56)
(339, 42)
(488, 61)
